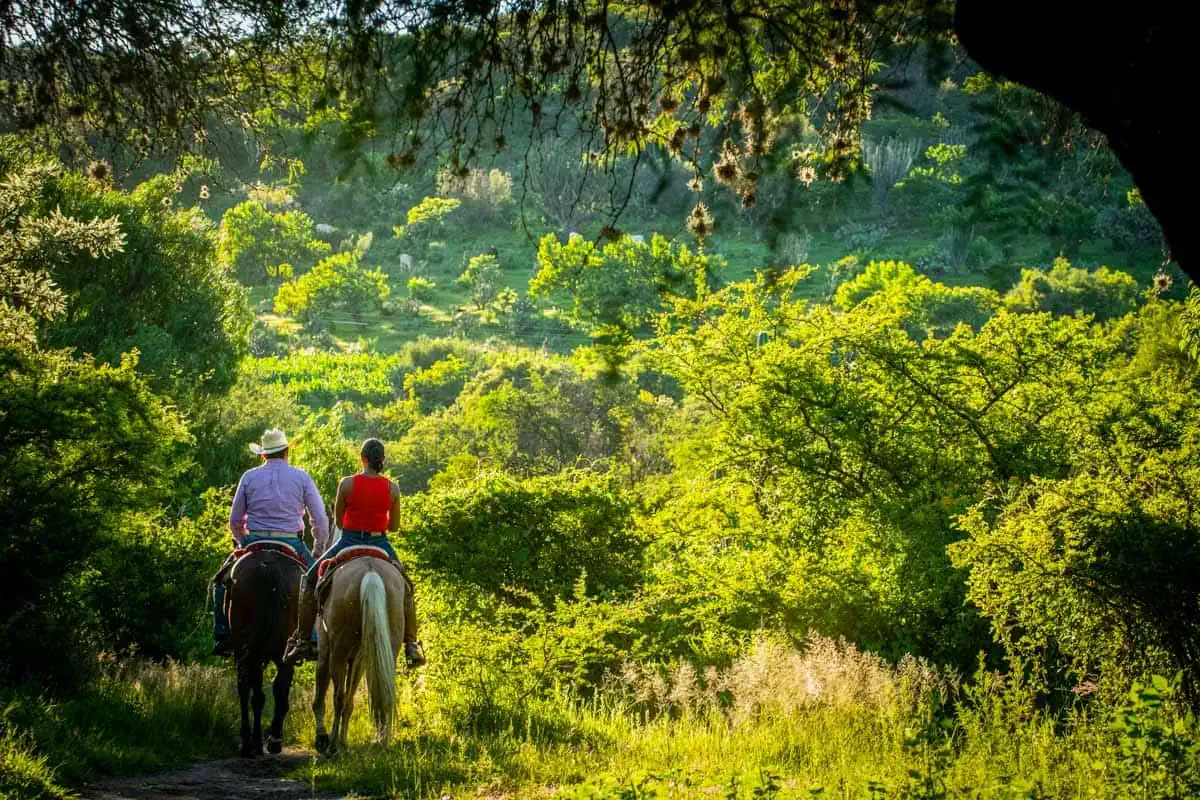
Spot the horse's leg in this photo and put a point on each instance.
(318, 704)
(353, 674)
(338, 675)
(258, 699)
(244, 690)
(280, 688)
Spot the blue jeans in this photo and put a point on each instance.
(349, 539)
(220, 618)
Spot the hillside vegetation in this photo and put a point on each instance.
(880, 488)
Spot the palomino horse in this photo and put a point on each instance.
(264, 593)
(361, 629)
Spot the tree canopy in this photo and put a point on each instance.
(615, 79)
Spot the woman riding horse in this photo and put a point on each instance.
(367, 507)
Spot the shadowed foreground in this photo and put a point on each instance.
(259, 778)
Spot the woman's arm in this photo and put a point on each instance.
(339, 503)
(394, 516)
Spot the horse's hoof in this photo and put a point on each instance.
(274, 746)
(248, 752)
(323, 744)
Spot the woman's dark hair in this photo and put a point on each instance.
(372, 451)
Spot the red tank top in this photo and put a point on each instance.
(368, 504)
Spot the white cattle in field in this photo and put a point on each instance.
(324, 229)
(406, 262)
(637, 237)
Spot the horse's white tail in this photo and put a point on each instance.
(375, 652)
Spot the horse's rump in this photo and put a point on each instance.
(264, 594)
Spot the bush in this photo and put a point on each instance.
(338, 283)
(426, 218)
(421, 288)
(482, 276)
(87, 449)
(437, 385)
(860, 237)
(540, 536)
(620, 285)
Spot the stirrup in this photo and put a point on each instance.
(300, 650)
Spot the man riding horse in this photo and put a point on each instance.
(367, 507)
(269, 506)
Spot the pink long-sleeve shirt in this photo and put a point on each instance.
(273, 497)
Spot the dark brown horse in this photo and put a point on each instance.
(264, 591)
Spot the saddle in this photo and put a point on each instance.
(329, 566)
(282, 548)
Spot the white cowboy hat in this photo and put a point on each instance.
(273, 441)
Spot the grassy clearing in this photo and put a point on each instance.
(831, 721)
(826, 721)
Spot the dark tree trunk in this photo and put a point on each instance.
(1126, 69)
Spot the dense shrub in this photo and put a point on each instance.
(482, 276)
(507, 536)
(421, 288)
(87, 449)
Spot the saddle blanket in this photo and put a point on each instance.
(282, 548)
(330, 565)
(350, 553)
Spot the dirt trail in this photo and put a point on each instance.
(255, 779)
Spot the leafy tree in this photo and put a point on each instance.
(259, 244)
(31, 243)
(617, 286)
(123, 271)
(86, 449)
(482, 276)
(89, 455)
(1098, 564)
(1105, 293)
(426, 218)
(854, 437)
(339, 282)
(931, 307)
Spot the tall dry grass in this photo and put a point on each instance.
(136, 717)
(774, 677)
